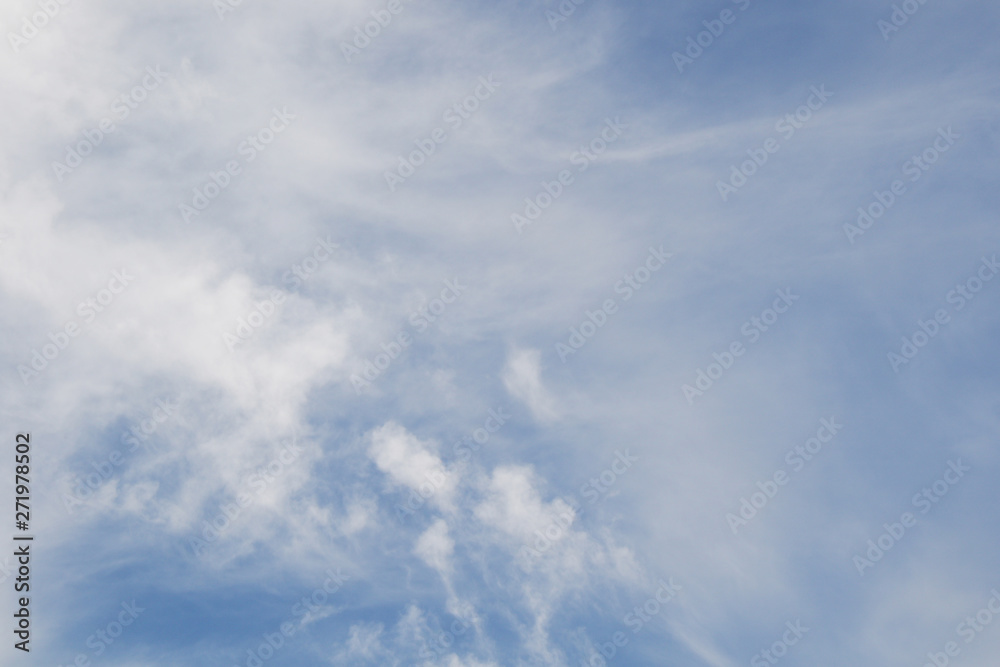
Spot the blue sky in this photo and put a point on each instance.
(559, 390)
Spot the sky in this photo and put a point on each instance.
(481, 334)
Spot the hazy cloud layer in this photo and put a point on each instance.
(527, 333)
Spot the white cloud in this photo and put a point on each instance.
(522, 376)
(412, 463)
(435, 547)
